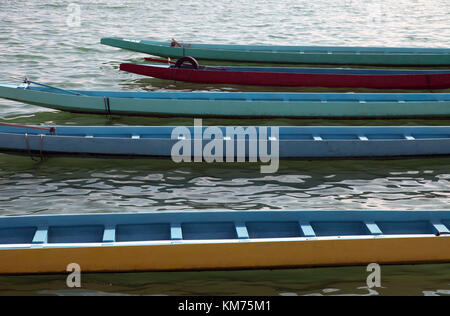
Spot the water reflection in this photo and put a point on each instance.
(348, 281)
(117, 185)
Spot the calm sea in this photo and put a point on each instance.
(47, 41)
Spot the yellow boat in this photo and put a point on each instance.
(221, 240)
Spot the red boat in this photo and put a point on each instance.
(293, 77)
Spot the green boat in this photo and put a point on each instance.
(386, 56)
(233, 104)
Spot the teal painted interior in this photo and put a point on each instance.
(75, 234)
(19, 235)
(208, 231)
(404, 227)
(215, 225)
(273, 230)
(139, 232)
(339, 228)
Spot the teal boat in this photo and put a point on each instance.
(386, 56)
(233, 104)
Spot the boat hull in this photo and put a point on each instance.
(236, 142)
(228, 256)
(286, 54)
(248, 105)
(303, 78)
(221, 240)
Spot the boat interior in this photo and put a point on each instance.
(192, 226)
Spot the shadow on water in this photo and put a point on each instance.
(428, 280)
(76, 119)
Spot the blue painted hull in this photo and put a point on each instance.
(292, 142)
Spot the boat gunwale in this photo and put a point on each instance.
(104, 132)
(170, 242)
(112, 217)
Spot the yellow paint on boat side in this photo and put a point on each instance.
(241, 255)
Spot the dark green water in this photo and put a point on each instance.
(37, 41)
(428, 280)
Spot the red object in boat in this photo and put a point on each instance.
(296, 77)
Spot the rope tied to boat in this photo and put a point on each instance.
(107, 106)
(51, 130)
(187, 59)
(28, 82)
(41, 146)
(192, 61)
(174, 43)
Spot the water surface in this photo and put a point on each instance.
(37, 41)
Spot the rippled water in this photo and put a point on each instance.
(35, 40)
(428, 280)
(95, 185)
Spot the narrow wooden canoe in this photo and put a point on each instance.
(290, 54)
(235, 104)
(290, 142)
(221, 240)
(298, 77)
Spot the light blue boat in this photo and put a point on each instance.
(236, 142)
(234, 104)
(213, 240)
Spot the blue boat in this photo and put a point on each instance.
(221, 240)
(236, 142)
